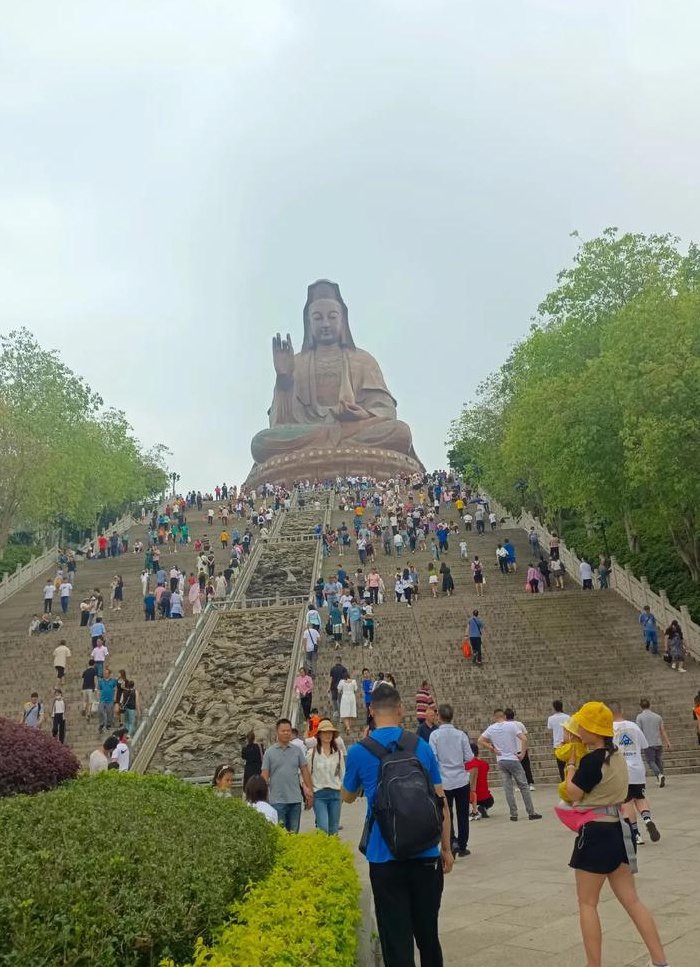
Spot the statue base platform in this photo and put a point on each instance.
(321, 463)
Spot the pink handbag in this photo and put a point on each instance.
(574, 819)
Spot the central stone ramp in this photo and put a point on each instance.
(236, 688)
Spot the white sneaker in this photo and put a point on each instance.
(640, 839)
(532, 787)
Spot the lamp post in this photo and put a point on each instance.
(174, 477)
(602, 523)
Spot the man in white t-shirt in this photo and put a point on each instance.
(99, 759)
(586, 574)
(121, 754)
(49, 591)
(311, 638)
(630, 741)
(555, 724)
(509, 744)
(64, 594)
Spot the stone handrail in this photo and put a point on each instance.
(290, 706)
(244, 604)
(155, 720)
(634, 590)
(24, 575)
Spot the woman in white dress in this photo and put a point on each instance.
(347, 689)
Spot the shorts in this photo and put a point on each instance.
(599, 848)
(635, 791)
(433, 579)
(88, 695)
(478, 579)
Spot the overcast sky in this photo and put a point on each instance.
(174, 174)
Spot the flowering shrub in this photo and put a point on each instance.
(31, 760)
(305, 914)
(119, 870)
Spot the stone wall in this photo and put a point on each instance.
(284, 569)
(238, 686)
(299, 523)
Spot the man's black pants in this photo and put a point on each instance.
(460, 799)
(407, 896)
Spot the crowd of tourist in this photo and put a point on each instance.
(410, 840)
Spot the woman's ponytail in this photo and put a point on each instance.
(610, 748)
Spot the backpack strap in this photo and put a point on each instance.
(376, 748)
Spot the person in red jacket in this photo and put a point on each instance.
(480, 798)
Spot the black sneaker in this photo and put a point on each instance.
(464, 852)
(662, 781)
(535, 816)
(654, 834)
(513, 819)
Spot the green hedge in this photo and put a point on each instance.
(305, 914)
(118, 870)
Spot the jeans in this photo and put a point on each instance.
(289, 815)
(513, 774)
(106, 715)
(130, 719)
(407, 895)
(460, 799)
(655, 761)
(651, 642)
(150, 614)
(327, 810)
(100, 669)
(64, 604)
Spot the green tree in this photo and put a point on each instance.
(62, 457)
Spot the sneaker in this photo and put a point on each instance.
(513, 819)
(532, 787)
(662, 780)
(535, 816)
(683, 670)
(654, 834)
(639, 840)
(464, 852)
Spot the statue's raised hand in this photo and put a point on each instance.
(283, 355)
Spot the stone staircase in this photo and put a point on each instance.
(569, 644)
(145, 649)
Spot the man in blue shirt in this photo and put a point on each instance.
(474, 632)
(355, 619)
(648, 622)
(407, 893)
(510, 551)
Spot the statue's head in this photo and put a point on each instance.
(326, 317)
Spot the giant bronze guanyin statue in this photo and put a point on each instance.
(331, 411)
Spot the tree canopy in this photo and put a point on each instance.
(65, 459)
(594, 418)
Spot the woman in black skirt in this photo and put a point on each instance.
(604, 849)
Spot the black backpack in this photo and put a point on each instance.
(406, 806)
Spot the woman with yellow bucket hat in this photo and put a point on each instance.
(604, 850)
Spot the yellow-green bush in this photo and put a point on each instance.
(304, 914)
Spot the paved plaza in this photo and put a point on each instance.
(512, 902)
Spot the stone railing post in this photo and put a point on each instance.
(690, 633)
